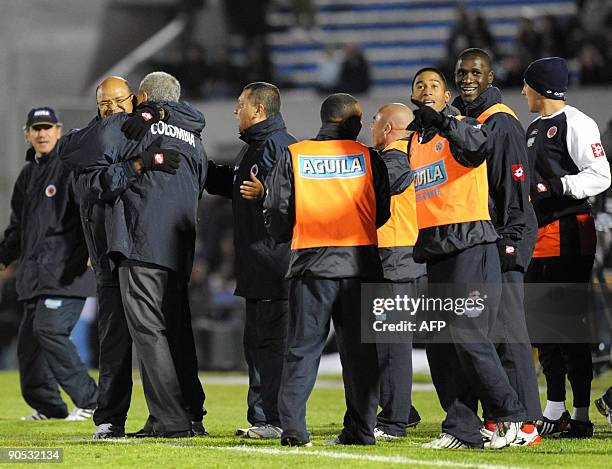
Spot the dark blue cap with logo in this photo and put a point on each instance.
(548, 77)
(42, 116)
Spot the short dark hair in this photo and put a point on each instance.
(266, 94)
(430, 69)
(338, 107)
(477, 53)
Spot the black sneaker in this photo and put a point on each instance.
(578, 429)
(294, 441)
(548, 427)
(198, 429)
(178, 434)
(414, 418)
(604, 405)
(142, 433)
(108, 430)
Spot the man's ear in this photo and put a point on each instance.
(142, 97)
(490, 77)
(447, 96)
(387, 128)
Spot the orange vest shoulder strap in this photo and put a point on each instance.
(499, 107)
(401, 145)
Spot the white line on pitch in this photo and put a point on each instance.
(361, 457)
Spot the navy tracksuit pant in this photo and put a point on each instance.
(395, 368)
(313, 302)
(115, 381)
(565, 359)
(514, 346)
(265, 341)
(465, 366)
(48, 358)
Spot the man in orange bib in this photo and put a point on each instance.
(395, 245)
(512, 215)
(457, 241)
(329, 195)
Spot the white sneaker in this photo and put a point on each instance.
(445, 441)
(264, 432)
(527, 439)
(243, 431)
(381, 434)
(505, 434)
(36, 416)
(80, 415)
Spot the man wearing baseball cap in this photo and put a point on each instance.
(568, 165)
(45, 235)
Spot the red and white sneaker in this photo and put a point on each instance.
(487, 432)
(527, 436)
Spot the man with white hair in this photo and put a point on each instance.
(152, 187)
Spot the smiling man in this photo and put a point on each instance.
(45, 235)
(457, 242)
(512, 215)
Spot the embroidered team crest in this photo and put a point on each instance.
(147, 116)
(597, 150)
(439, 146)
(50, 190)
(510, 250)
(254, 170)
(159, 158)
(518, 173)
(540, 187)
(552, 132)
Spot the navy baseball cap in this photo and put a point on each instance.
(42, 116)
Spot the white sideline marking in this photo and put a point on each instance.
(319, 453)
(361, 457)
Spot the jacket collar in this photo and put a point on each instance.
(260, 131)
(487, 98)
(31, 156)
(333, 131)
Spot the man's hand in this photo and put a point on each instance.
(507, 254)
(155, 158)
(427, 117)
(547, 188)
(141, 120)
(253, 189)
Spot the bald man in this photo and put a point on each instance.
(404, 276)
(113, 96)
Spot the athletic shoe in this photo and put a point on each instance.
(604, 406)
(37, 416)
(505, 434)
(264, 432)
(446, 441)
(243, 431)
(142, 433)
(487, 432)
(108, 430)
(414, 418)
(548, 427)
(578, 429)
(380, 434)
(198, 429)
(178, 434)
(80, 415)
(527, 436)
(294, 441)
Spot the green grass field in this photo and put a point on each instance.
(226, 412)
